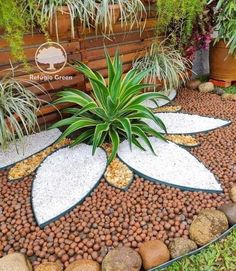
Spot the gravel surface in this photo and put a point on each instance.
(161, 102)
(29, 145)
(172, 164)
(71, 172)
(110, 217)
(179, 123)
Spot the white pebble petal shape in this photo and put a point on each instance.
(64, 179)
(161, 102)
(172, 165)
(183, 123)
(29, 145)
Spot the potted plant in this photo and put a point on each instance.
(18, 109)
(57, 17)
(13, 26)
(176, 19)
(223, 50)
(113, 112)
(167, 68)
(110, 12)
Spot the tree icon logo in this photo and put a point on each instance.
(50, 57)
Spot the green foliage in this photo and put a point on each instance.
(230, 90)
(165, 66)
(220, 256)
(129, 13)
(176, 18)
(14, 22)
(114, 111)
(18, 108)
(226, 23)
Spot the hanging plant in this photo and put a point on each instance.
(14, 22)
(176, 19)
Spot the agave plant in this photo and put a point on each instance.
(18, 107)
(167, 67)
(113, 112)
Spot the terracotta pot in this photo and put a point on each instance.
(60, 24)
(222, 64)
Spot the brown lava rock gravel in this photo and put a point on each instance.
(110, 217)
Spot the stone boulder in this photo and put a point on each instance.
(232, 194)
(49, 266)
(229, 97)
(207, 226)
(122, 259)
(83, 265)
(206, 87)
(193, 84)
(15, 262)
(153, 253)
(219, 91)
(180, 246)
(230, 211)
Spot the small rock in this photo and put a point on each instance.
(153, 253)
(83, 265)
(230, 211)
(208, 225)
(181, 246)
(49, 267)
(15, 262)
(219, 91)
(232, 194)
(206, 87)
(122, 259)
(193, 84)
(229, 97)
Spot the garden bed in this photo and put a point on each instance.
(110, 217)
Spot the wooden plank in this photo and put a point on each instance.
(59, 84)
(117, 28)
(94, 41)
(123, 49)
(101, 63)
(5, 56)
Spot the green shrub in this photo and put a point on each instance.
(226, 23)
(114, 111)
(166, 66)
(176, 19)
(18, 107)
(14, 22)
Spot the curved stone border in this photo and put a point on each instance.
(10, 165)
(229, 122)
(72, 207)
(181, 187)
(194, 252)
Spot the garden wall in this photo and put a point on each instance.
(88, 47)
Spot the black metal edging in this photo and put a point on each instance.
(13, 164)
(194, 252)
(73, 206)
(181, 187)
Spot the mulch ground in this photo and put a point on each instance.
(110, 217)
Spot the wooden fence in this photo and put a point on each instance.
(87, 47)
